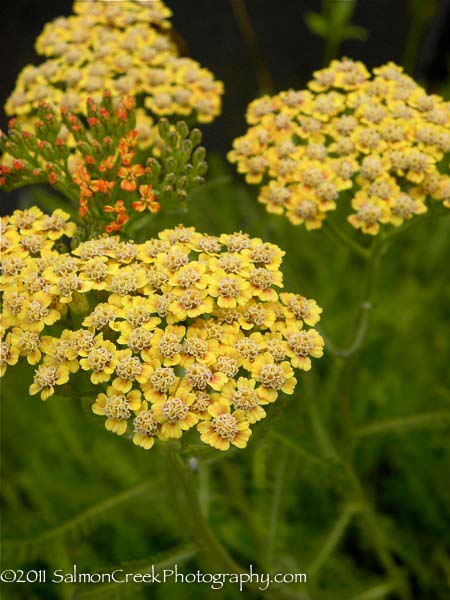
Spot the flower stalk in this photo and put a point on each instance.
(344, 454)
(209, 545)
(344, 239)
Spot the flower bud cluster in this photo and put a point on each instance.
(109, 178)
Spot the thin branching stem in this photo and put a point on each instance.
(203, 536)
(78, 521)
(210, 547)
(369, 516)
(368, 513)
(384, 590)
(332, 540)
(276, 507)
(240, 501)
(437, 418)
(365, 307)
(323, 438)
(111, 590)
(344, 239)
(244, 22)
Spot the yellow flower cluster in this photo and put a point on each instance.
(185, 330)
(126, 47)
(36, 285)
(381, 141)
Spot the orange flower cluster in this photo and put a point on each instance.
(109, 175)
(109, 178)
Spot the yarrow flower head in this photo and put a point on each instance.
(126, 47)
(183, 332)
(109, 178)
(376, 141)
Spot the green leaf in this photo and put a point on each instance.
(316, 23)
(383, 590)
(421, 421)
(160, 562)
(355, 32)
(333, 539)
(342, 12)
(78, 523)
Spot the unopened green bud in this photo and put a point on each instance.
(154, 166)
(198, 155)
(196, 137)
(186, 150)
(171, 163)
(163, 128)
(202, 168)
(169, 179)
(182, 182)
(182, 129)
(172, 139)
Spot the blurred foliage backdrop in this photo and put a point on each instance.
(73, 493)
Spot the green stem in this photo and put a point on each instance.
(383, 590)
(377, 536)
(339, 235)
(345, 456)
(204, 492)
(90, 515)
(240, 502)
(332, 540)
(367, 300)
(208, 544)
(323, 438)
(297, 449)
(433, 211)
(366, 305)
(276, 507)
(332, 38)
(415, 34)
(244, 22)
(331, 50)
(368, 513)
(420, 421)
(68, 192)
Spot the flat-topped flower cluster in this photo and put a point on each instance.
(185, 330)
(126, 47)
(376, 142)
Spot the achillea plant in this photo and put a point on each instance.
(377, 144)
(126, 47)
(180, 332)
(109, 180)
(180, 337)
